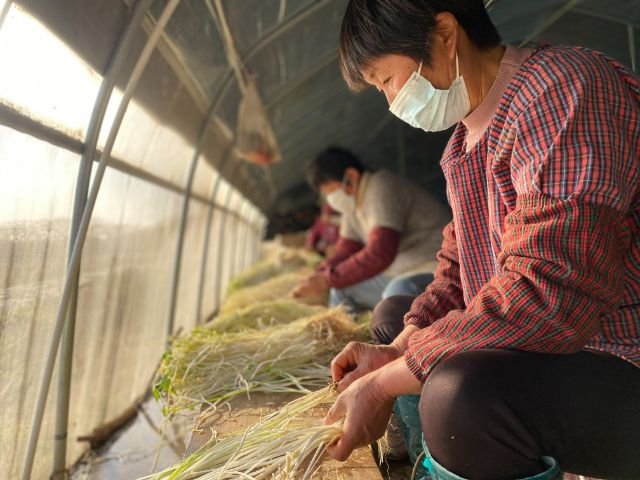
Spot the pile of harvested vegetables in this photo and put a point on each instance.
(287, 444)
(272, 289)
(262, 340)
(282, 261)
(207, 367)
(261, 315)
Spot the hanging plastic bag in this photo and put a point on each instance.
(256, 142)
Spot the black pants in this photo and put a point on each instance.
(492, 414)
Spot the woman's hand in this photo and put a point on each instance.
(358, 359)
(315, 285)
(362, 426)
(366, 406)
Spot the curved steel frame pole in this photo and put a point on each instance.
(248, 244)
(74, 262)
(255, 239)
(255, 242)
(237, 224)
(240, 229)
(552, 19)
(250, 233)
(185, 205)
(220, 243)
(207, 232)
(239, 244)
(264, 41)
(262, 231)
(259, 238)
(215, 104)
(234, 234)
(251, 247)
(5, 11)
(177, 266)
(82, 189)
(261, 234)
(257, 250)
(316, 66)
(245, 241)
(217, 100)
(269, 37)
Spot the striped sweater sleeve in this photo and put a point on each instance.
(345, 247)
(374, 258)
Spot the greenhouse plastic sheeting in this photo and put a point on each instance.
(36, 196)
(212, 283)
(191, 259)
(146, 141)
(123, 295)
(128, 258)
(123, 298)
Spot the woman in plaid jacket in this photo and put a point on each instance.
(525, 349)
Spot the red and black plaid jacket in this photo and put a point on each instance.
(543, 253)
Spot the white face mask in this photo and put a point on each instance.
(340, 201)
(423, 106)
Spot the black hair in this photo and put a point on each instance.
(330, 165)
(373, 28)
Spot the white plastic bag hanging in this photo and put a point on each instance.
(256, 142)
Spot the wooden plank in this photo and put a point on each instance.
(247, 411)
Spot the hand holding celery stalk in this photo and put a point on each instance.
(371, 375)
(287, 444)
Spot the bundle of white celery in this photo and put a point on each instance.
(262, 315)
(275, 288)
(207, 367)
(284, 260)
(287, 444)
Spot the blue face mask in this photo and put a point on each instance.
(423, 106)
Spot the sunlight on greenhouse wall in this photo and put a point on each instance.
(48, 81)
(66, 99)
(127, 263)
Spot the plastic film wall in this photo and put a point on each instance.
(129, 258)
